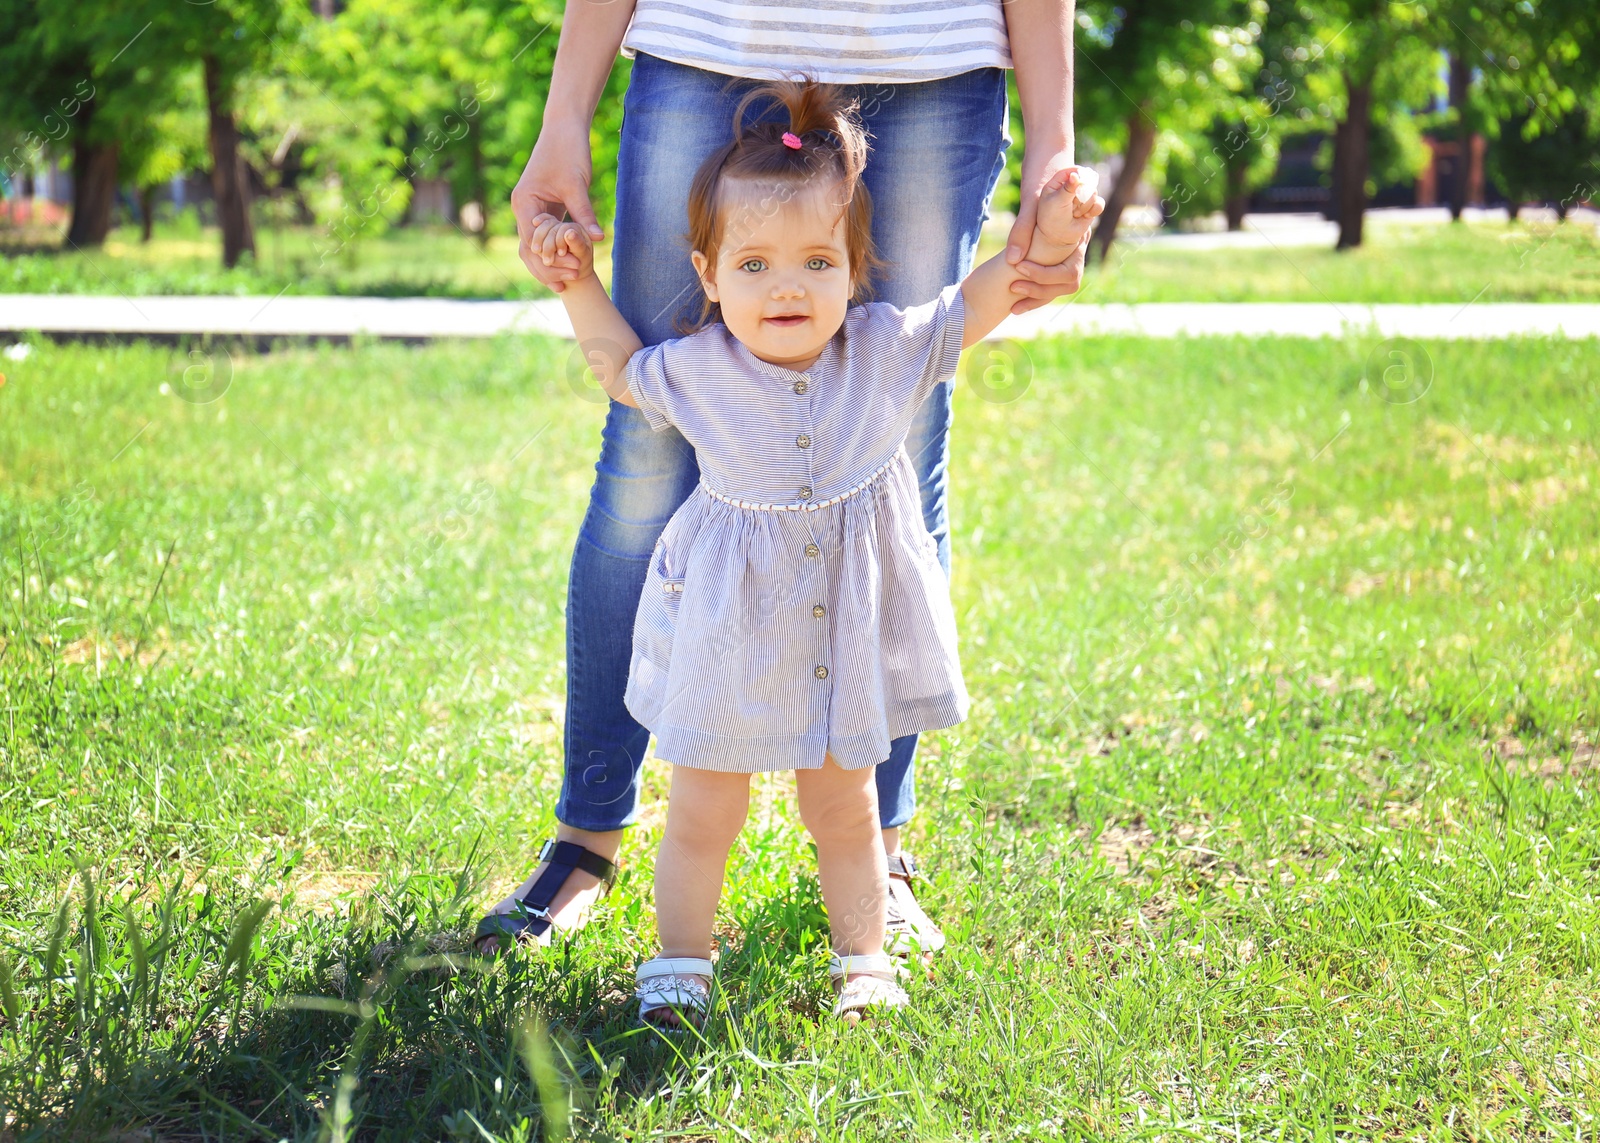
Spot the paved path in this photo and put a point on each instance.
(426, 318)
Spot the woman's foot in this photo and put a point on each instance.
(568, 910)
(907, 928)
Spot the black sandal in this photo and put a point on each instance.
(531, 919)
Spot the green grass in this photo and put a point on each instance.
(1489, 262)
(1486, 262)
(1274, 817)
(433, 261)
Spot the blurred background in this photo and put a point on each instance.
(319, 146)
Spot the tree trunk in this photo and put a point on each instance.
(1141, 142)
(147, 212)
(229, 184)
(94, 184)
(1238, 199)
(480, 182)
(1460, 78)
(1350, 163)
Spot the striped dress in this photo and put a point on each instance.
(795, 605)
(833, 41)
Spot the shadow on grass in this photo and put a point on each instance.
(189, 1011)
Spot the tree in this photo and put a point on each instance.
(1555, 165)
(1155, 65)
(226, 41)
(1366, 65)
(164, 143)
(58, 102)
(1539, 91)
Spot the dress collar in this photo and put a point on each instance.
(826, 363)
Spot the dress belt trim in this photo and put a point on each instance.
(806, 506)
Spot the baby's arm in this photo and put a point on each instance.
(605, 338)
(1062, 224)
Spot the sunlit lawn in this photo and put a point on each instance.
(1274, 818)
(1487, 262)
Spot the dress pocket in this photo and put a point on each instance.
(669, 579)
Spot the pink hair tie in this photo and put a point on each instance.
(791, 140)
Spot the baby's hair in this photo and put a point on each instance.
(833, 146)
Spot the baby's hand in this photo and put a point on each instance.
(563, 246)
(1068, 206)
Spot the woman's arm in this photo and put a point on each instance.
(1041, 51)
(559, 170)
(605, 338)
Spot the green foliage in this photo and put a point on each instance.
(1396, 152)
(1177, 61)
(1229, 157)
(1533, 162)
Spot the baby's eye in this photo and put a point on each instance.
(752, 265)
(818, 264)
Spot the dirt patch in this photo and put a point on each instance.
(1580, 759)
(331, 892)
(1119, 845)
(116, 649)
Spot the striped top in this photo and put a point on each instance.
(794, 605)
(834, 41)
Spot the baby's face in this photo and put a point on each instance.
(783, 274)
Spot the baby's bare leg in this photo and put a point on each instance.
(705, 812)
(840, 809)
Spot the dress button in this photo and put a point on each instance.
(813, 550)
(821, 672)
(801, 385)
(819, 611)
(805, 492)
(802, 441)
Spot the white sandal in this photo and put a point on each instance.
(865, 981)
(908, 930)
(673, 983)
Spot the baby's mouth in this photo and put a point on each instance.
(787, 320)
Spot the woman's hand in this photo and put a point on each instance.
(1039, 284)
(562, 249)
(556, 180)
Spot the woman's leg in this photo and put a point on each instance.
(673, 116)
(938, 150)
(840, 810)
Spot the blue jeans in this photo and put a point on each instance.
(937, 149)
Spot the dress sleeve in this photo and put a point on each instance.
(923, 342)
(655, 384)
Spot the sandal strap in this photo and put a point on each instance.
(880, 965)
(672, 966)
(569, 855)
(673, 982)
(903, 865)
(866, 992)
(564, 857)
